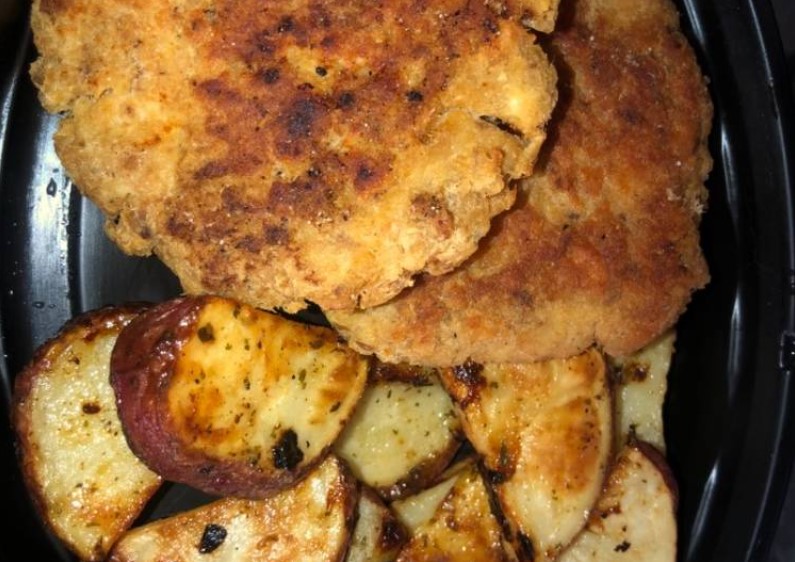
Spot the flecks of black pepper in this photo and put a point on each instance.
(270, 75)
(212, 537)
(622, 547)
(346, 100)
(285, 24)
(91, 408)
(206, 333)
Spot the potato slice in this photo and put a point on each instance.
(402, 435)
(635, 518)
(312, 520)
(230, 399)
(544, 431)
(418, 508)
(641, 384)
(86, 483)
(462, 528)
(378, 535)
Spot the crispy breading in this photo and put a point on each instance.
(280, 152)
(603, 245)
(536, 14)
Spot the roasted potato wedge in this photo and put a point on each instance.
(378, 535)
(402, 434)
(635, 518)
(545, 433)
(641, 384)
(229, 399)
(418, 508)
(86, 483)
(462, 528)
(312, 520)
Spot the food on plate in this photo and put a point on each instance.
(85, 482)
(536, 14)
(641, 381)
(416, 509)
(230, 399)
(635, 519)
(276, 155)
(544, 432)
(528, 484)
(602, 245)
(462, 528)
(403, 433)
(378, 535)
(295, 151)
(312, 520)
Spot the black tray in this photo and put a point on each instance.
(730, 414)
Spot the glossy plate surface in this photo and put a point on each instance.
(730, 415)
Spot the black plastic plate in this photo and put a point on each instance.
(730, 414)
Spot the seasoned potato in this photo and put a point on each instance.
(378, 534)
(642, 381)
(229, 399)
(462, 528)
(312, 520)
(403, 434)
(544, 431)
(418, 508)
(85, 481)
(635, 518)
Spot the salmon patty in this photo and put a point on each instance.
(603, 244)
(285, 152)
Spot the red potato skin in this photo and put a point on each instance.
(142, 365)
(658, 459)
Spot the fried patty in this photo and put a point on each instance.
(279, 152)
(603, 245)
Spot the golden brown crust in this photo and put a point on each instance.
(603, 244)
(298, 150)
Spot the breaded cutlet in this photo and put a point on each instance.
(285, 152)
(603, 244)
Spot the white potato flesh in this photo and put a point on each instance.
(87, 483)
(462, 528)
(229, 399)
(635, 518)
(378, 534)
(401, 436)
(642, 381)
(545, 433)
(417, 509)
(312, 520)
(260, 372)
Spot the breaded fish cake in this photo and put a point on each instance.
(603, 245)
(278, 152)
